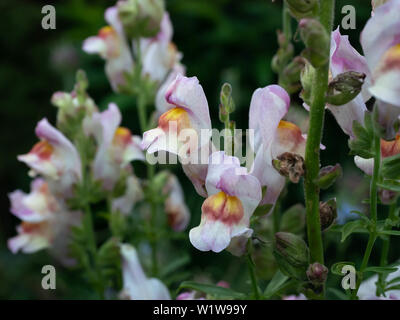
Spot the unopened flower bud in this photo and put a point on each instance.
(306, 79)
(291, 254)
(290, 77)
(290, 165)
(284, 53)
(141, 18)
(226, 98)
(302, 8)
(345, 87)
(388, 197)
(316, 40)
(327, 213)
(317, 274)
(328, 175)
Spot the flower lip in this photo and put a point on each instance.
(223, 207)
(43, 150)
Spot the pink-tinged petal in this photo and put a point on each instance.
(269, 177)
(381, 33)
(112, 18)
(288, 138)
(166, 29)
(132, 195)
(27, 243)
(345, 58)
(267, 108)
(189, 295)
(345, 115)
(95, 45)
(36, 206)
(54, 157)
(178, 214)
(136, 286)
(386, 86)
(210, 235)
(188, 94)
(294, 297)
(158, 59)
(366, 165)
(161, 103)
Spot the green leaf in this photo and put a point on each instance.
(262, 210)
(390, 232)
(380, 269)
(338, 266)
(362, 144)
(391, 167)
(175, 265)
(351, 227)
(391, 185)
(275, 284)
(394, 280)
(213, 290)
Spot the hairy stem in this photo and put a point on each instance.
(312, 156)
(373, 211)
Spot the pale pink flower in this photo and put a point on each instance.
(233, 195)
(136, 286)
(273, 137)
(111, 45)
(54, 158)
(116, 147)
(46, 221)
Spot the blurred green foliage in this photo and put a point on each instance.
(222, 41)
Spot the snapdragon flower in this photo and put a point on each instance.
(136, 286)
(178, 214)
(46, 221)
(116, 147)
(55, 158)
(233, 195)
(272, 137)
(111, 45)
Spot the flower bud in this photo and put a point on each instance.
(316, 40)
(328, 175)
(388, 197)
(284, 53)
(141, 18)
(327, 213)
(345, 87)
(290, 165)
(302, 8)
(291, 254)
(317, 274)
(290, 77)
(226, 98)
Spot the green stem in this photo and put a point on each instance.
(312, 156)
(253, 278)
(373, 210)
(386, 241)
(287, 23)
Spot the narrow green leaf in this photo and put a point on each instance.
(275, 284)
(380, 269)
(212, 290)
(390, 232)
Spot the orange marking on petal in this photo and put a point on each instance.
(177, 117)
(391, 59)
(43, 150)
(224, 208)
(390, 148)
(106, 31)
(122, 136)
(289, 133)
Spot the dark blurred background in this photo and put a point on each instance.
(222, 40)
